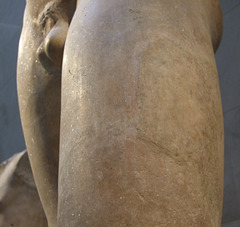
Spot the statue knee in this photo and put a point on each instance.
(53, 23)
(50, 52)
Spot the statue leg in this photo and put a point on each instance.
(141, 139)
(39, 92)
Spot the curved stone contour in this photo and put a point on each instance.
(141, 119)
(20, 205)
(39, 87)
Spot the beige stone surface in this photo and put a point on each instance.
(141, 119)
(39, 90)
(20, 205)
(141, 136)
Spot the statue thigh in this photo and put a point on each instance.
(141, 139)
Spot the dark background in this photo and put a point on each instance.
(228, 62)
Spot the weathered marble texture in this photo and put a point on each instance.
(20, 205)
(141, 137)
(39, 89)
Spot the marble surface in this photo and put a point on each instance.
(228, 55)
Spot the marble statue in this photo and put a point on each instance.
(19, 201)
(121, 111)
